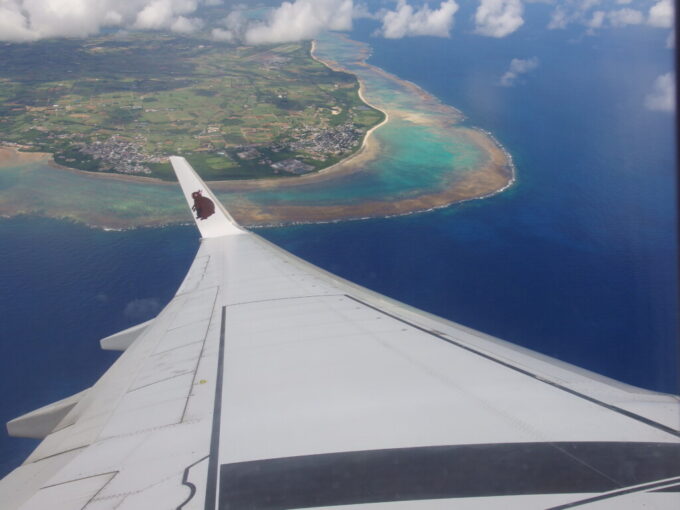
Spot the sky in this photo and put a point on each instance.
(295, 20)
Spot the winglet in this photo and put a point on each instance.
(212, 219)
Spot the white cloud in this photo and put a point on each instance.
(586, 5)
(570, 11)
(662, 96)
(661, 14)
(142, 309)
(184, 25)
(164, 14)
(518, 66)
(220, 34)
(498, 18)
(234, 23)
(597, 20)
(23, 20)
(301, 19)
(361, 10)
(26, 20)
(406, 21)
(156, 15)
(624, 17)
(13, 24)
(559, 18)
(607, 15)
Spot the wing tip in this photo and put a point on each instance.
(211, 217)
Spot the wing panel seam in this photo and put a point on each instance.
(200, 355)
(213, 462)
(288, 298)
(165, 379)
(590, 399)
(185, 481)
(628, 490)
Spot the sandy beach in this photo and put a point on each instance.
(12, 156)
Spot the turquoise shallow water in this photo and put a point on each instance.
(412, 161)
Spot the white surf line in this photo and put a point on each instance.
(362, 87)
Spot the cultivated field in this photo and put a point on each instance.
(123, 104)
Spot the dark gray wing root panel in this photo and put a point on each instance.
(437, 472)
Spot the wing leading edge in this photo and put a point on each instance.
(269, 383)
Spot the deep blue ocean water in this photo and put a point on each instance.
(577, 260)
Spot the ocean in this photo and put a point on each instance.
(577, 260)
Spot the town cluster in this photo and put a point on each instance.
(316, 142)
(121, 155)
(319, 143)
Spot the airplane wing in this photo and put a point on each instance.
(268, 383)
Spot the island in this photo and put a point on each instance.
(124, 104)
(345, 139)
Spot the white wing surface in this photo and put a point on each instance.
(268, 383)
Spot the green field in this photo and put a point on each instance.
(119, 104)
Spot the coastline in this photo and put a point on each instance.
(13, 156)
(350, 164)
(362, 96)
(494, 173)
(369, 150)
(489, 180)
